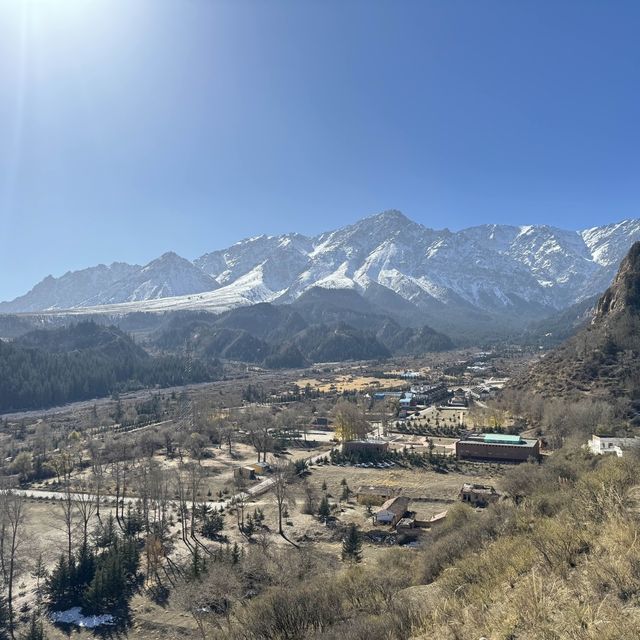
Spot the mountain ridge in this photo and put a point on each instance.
(509, 272)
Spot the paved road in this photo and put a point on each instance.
(256, 490)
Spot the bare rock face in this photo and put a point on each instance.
(602, 361)
(624, 294)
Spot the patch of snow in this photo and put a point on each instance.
(75, 617)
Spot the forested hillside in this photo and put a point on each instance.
(50, 367)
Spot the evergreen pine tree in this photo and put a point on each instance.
(35, 630)
(352, 545)
(4, 618)
(58, 584)
(249, 527)
(324, 510)
(258, 517)
(85, 567)
(198, 564)
(212, 525)
(94, 594)
(39, 573)
(105, 535)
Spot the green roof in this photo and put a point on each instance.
(501, 438)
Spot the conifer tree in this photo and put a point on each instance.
(249, 527)
(58, 584)
(324, 510)
(235, 553)
(352, 545)
(198, 563)
(94, 594)
(212, 525)
(35, 630)
(39, 573)
(4, 618)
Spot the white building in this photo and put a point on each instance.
(610, 444)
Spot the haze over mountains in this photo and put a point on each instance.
(504, 273)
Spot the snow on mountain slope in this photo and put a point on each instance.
(73, 289)
(285, 257)
(511, 270)
(609, 244)
(166, 277)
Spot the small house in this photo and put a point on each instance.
(371, 447)
(459, 399)
(365, 450)
(392, 510)
(478, 495)
(609, 444)
(320, 423)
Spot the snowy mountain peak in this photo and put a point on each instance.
(494, 269)
(389, 217)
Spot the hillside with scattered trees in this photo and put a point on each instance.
(602, 361)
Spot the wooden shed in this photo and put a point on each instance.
(244, 473)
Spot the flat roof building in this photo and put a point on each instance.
(497, 447)
(478, 495)
(602, 444)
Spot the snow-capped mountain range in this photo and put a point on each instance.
(500, 270)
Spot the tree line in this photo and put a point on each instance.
(32, 378)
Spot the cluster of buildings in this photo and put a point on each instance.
(424, 395)
(395, 513)
(478, 447)
(459, 399)
(394, 507)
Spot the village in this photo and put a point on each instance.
(390, 455)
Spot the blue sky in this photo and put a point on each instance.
(133, 127)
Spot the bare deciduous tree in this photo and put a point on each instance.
(283, 496)
(85, 500)
(12, 515)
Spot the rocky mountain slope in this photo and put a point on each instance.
(603, 359)
(506, 273)
(321, 326)
(560, 326)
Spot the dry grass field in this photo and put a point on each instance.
(344, 383)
